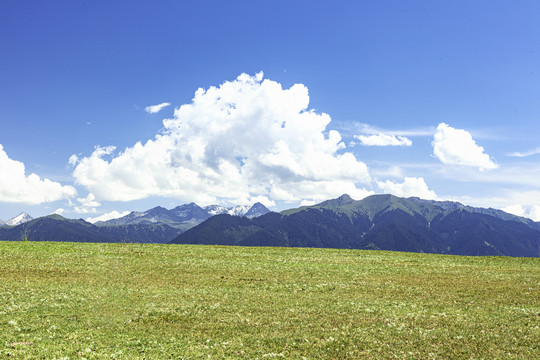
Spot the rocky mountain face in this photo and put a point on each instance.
(256, 210)
(378, 222)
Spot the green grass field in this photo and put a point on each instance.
(127, 301)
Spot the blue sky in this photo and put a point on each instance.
(419, 98)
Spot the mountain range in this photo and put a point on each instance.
(185, 216)
(57, 228)
(378, 222)
(157, 225)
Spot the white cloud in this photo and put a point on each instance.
(517, 201)
(409, 187)
(526, 153)
(374, 130)
(108, 216)
(532, 213)
(73, 160)
(246, 138)
(457, 147)
(153, 109)
(515, 210)
(87, 204)
(383, 140)
(59, 211)
(390, 171)
(17, 187)
(263, 200)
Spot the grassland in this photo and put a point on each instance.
(127, 301)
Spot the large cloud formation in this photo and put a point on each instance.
(17, 187)
(457, 147)
(246, 140)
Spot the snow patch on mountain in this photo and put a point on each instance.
(254, 210)
(186, 214)
(238, 210)
(216, 209)
(19, 219)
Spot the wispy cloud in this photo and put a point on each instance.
(383, 140)
(153, 109)
(374, 130)
(526, 153)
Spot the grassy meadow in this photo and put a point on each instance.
(130, 301)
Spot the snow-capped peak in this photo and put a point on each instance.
(254, 210)
(19, 219)
(238, 210)
(216, 209)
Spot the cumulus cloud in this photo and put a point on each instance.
(383, 140)
(246, 138)
(514, 210)
(17, 187)
(153, 109)
(457, 147)
(108, 216)
(532, 213)
(87, 204)
(59, 211)
(410, 186)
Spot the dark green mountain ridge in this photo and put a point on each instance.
(58, 228)
(381, 222)
(374, 204)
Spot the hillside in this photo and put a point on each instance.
(143, 301)
(378, 222)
